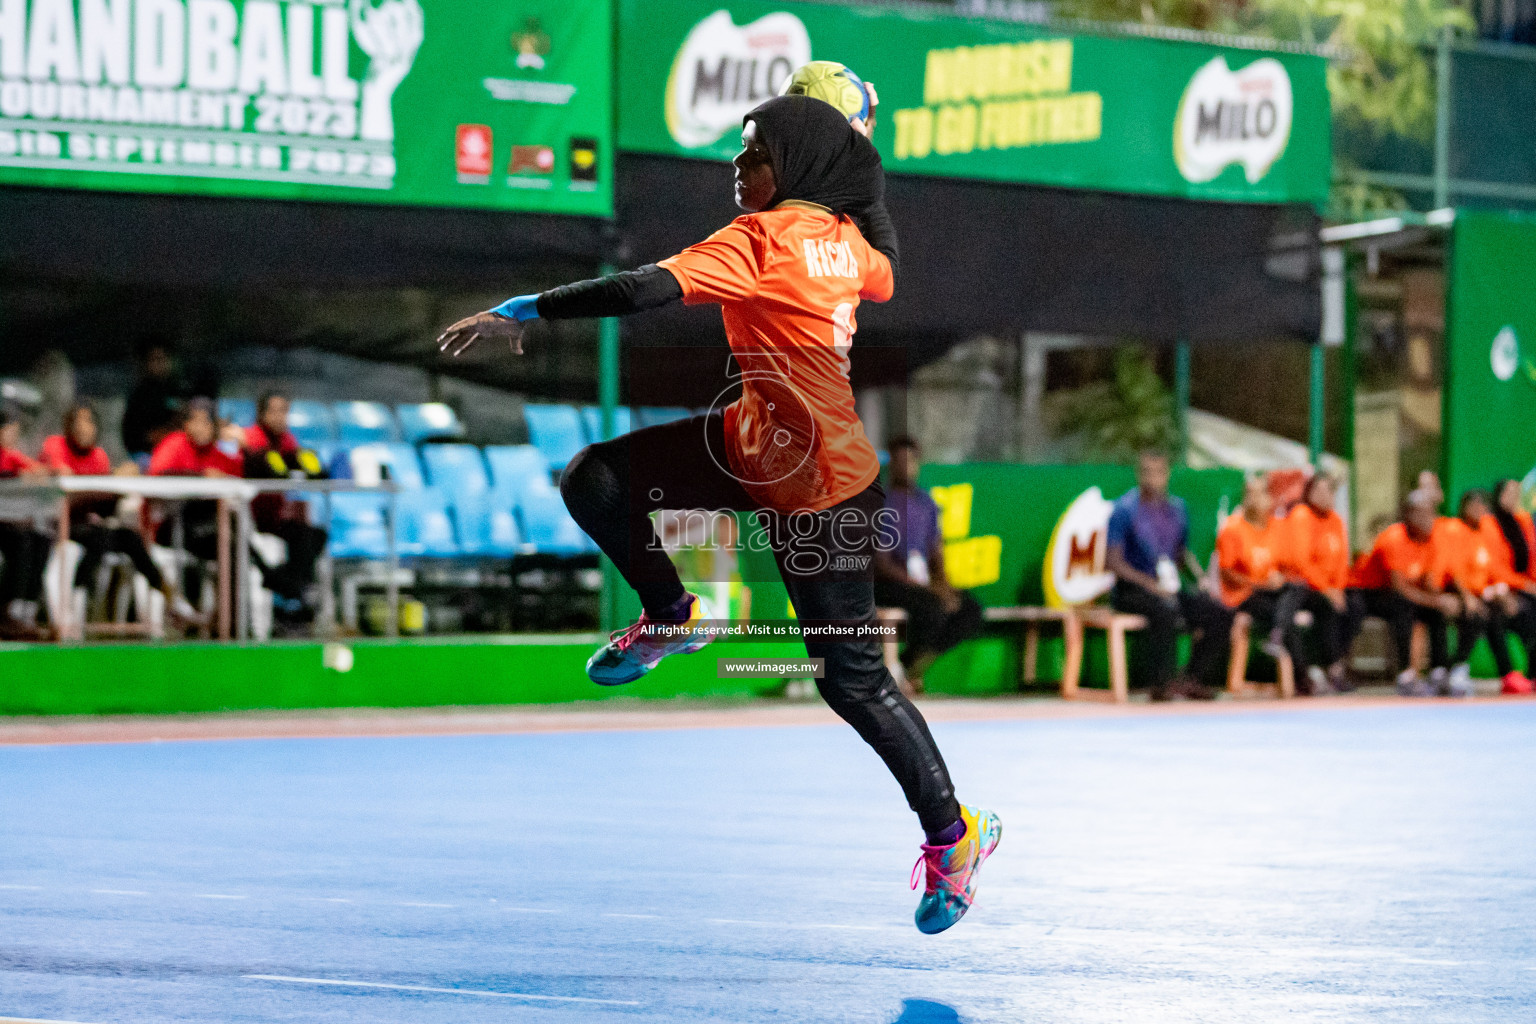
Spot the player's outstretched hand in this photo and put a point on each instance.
(458, 339)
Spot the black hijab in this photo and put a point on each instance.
(817, 156)
(1510, 527)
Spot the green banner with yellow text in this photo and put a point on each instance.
(426, 102)
(989, 100)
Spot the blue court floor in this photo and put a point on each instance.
(1371, 865)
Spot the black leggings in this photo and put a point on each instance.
(612, 488)
(98, 539)
(23, 552)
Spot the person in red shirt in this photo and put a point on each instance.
(194, 450)
(1316, 561)
(93, 520)
(1475, 567)
(1395, 581)
(1249, 553)
(789, 277)
(272, 452)
(23, 549)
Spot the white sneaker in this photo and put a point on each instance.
(184, 611)
(1411, 684)
(1319, 680)
(1459, 682)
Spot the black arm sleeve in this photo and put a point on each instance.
(874, 223)
(614, 295)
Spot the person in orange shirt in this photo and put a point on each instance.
(1394, 581)
(1248, 553)
(1474, 566)
(1315, 558)
(789, 277)
(1519, 535)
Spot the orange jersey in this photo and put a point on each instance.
(1395, 550)
(788, 281)
(1247, 550)
(1506, 556)
(1475, 559)
(1315, 549)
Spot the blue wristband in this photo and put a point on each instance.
(520, 307)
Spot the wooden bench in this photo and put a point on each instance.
(1074, 621)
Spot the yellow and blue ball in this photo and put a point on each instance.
(830, 82)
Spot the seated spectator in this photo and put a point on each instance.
(911, 576)
(1148, 537)
(24, 549)
(1394, 581)
(154, 405)
(1248, 553)
(194, 451)
(1315, 547)
(1519, 535)
(93, 521)
(1474, 566)
(272, 452)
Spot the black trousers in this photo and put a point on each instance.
(305, 543)
(1155, 659)
(97, 539)
(930, 629)
(1271, 608)
(25, 552)
(825, 559)
(1400, 614)
(1329, 624)
(1495, 624)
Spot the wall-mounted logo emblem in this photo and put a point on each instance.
(1233, 117)
(531, 44)
(724, 70)
(1074, 571)
(1504, 355)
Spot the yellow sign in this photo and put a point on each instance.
(1003, 96)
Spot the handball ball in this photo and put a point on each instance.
(830, 82)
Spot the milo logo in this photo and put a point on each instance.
(723, 70)
(1233, 117)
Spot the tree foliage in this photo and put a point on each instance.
(1386, 74)
(1129, 413)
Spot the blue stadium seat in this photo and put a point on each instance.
(428, 420)
(399, 459)
(240, 411)
(556, 431)
(548, 526)
(424, 528)
(365, 422)
(517, 467)
(592, 419)
(311, 423)
(357, 525)
(457, 469)
(487, 526)
(655, 415)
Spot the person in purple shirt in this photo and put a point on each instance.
(1148, 546)
(911, 575)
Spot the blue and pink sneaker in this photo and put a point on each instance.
(950, 883)
(631, 653)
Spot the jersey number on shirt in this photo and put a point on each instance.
(842, 334)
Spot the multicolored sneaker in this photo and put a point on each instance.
(950, 883)
(631, 653)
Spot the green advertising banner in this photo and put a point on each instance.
(429, 102)
(989, 100)
(1490, 364)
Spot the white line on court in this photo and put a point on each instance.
(120, 892)
(428, 988)
(787, 926)
(444, 906)
(637, 917)
(29, 888)
(34, 1020)
(215, 896)
(531, 910)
